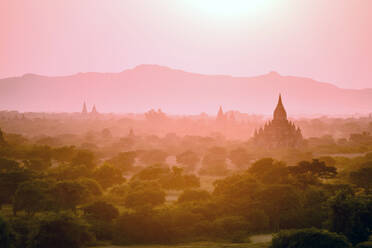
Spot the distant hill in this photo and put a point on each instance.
(176, 91)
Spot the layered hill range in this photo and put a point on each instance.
(178, 92)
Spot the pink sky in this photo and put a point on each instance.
(325, 40)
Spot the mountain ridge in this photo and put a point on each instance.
(153, 86)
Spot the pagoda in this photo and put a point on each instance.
(279, 132)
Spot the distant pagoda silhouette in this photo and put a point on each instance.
(85, 110)
(94, 111)
(221, 117)
(279, 132)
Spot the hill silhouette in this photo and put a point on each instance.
(176, 91)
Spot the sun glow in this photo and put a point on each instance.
(232, 8)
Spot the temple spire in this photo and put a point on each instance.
(220, 115)
(279, 112)
(94, 110)
(85, 110)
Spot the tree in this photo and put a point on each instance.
(282, 204)
(101, 210)
(106, 134)
(9, 182)
(43, 153)
(176, 180)
(64, 154)
(269, 171)
(33, 196)
(84, 157)
(362, 178)
(107, 176)
(351, 216)
(144, 195)
(315, 168)
(151, 173)
(124, 161)
(329, 161)
(70, 172)
(152, 157)
(231, 227)
(37, 164)
(189, 159)
(240, 157)
(262, 166)
(7, 165)
(214, 162)
(308, 173)
(69, 194)
(5, 236)
(60, 231)
(142, 227)
(309, 238)
(364, 245)
(191, 195)
(2, 139)
(92, 186)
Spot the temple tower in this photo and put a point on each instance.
(280, 132)
(85, 110)
(279, 113)
(94, 110)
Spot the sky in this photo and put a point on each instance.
(329, 41)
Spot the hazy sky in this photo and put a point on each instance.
(328, 40)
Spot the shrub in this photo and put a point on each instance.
(21, 227)
(309, 238)
(364, 245)
(233, 228)
(5, 237)
(142, 227)
(60, 231)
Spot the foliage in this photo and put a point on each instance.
(92, 186)
(151, 173)
(240, 157)
(144, 195)
(177, 181)
(71, 172)
(101, 210)
(69, 194)
(364, 245)
(33, 196)
(309, 238)
(124, 161)
(142, 227)
(315, 168)
(151, 157)
(7, 165)
(107, 176)
(234, 228)
(60, 231)
(9, 183)
(214, 162)
(5, 236)
(84, 157)
(269, 171)
(362, 178)
(351, 215)
(188, 159)
(37, 164)
(192, 195)
(168, 179)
